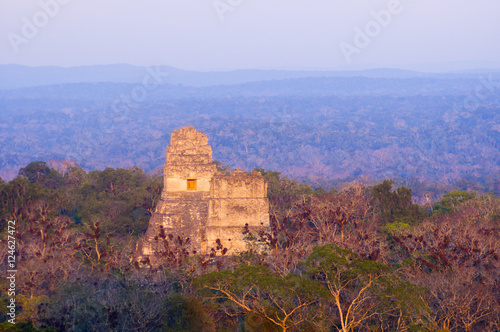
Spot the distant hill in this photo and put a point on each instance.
(17, 76)
(294, 87)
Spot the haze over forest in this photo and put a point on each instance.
(322, 128)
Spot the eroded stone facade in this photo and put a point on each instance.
(202, 204)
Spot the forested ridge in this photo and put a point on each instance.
(355, 258)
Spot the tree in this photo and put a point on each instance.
(338, 215)
(17, 194)
(39, 172)
(186, 314)
(456, 256)
(286, 301)
(362, 290)
(221, 167)
(450, 201)
(122, 200)
(41, 218)
(152, 194)
(397, 205)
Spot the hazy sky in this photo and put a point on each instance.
(237, 34)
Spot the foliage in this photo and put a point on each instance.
(396, 205)
(451, 200)
(39, 172)
(185, 313)
(456, 257)
(23, 327)
(359, 258)
(363, 290)
(396, 227)
(284, 301)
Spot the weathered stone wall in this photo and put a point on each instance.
(236, 200)
(239, 185)
(182, 214)
(216, 207)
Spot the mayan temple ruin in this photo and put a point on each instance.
(202, 204)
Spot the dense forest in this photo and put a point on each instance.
(323, 131)
(352, 258)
